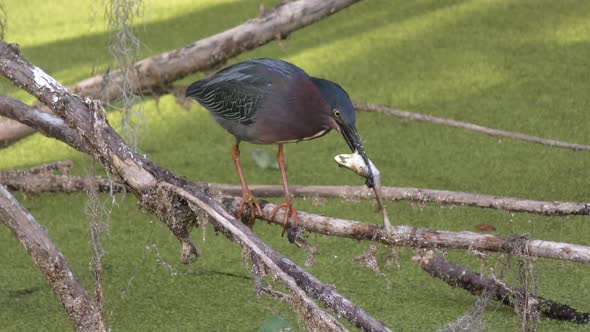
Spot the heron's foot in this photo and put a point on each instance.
(289, 211)
(253, 207)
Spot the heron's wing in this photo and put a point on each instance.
(237, 92)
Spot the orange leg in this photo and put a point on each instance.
(247, 197)
(289, 209)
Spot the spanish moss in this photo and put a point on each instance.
(124, 46)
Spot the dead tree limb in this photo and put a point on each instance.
(417, 195)
(63, 167)
(468, 126)
(58, 183)
(46, 123)
(177, 202)
(404, 235)
(408, 236)
(476, 284)
(45, 254)
(157, 72)
(165, 68)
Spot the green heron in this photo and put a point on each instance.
(270, 101)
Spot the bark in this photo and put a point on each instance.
(408, 236)
(155, 73)
(469, 126)
(175, 201)
(45, 254)
(476, 284)
(444, 197)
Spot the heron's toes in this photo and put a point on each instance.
(253, 207)
(290, 211)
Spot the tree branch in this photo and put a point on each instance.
(444, 197)
(468, 126)
(476, 284)
(55, 183)
(45, 254)
(408, 236)
(175, 201)
(46, 123)
(58, 183)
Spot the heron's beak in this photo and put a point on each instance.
(354, 142)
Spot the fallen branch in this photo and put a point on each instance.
(404, 235)
(476, 284)
(46, 123)
(175, 201)
(414, 194)
(63, 167)
(157, 72)
(468, 126)
(56, 183)
(408, 236)
(80, 308)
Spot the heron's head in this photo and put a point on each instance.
(343, 114)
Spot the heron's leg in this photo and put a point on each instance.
(289, 209)
(247, 197)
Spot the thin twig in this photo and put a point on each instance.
(468, 126)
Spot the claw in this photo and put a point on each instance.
(289, 211)
(253, 207)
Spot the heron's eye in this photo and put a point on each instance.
(336, 113)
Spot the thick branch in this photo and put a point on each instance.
(458, 276)
(468, 126)
(414, 194)
(45, 254)
(46, 123)
(162, 69)
(408, 236)
(174, 200)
